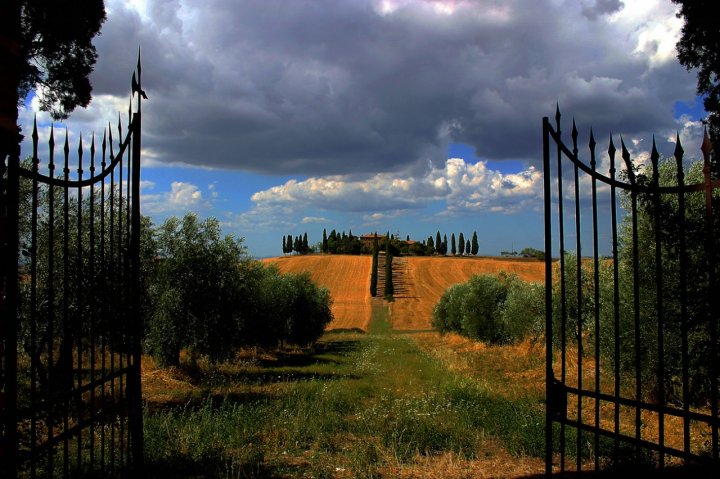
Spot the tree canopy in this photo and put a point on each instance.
(57, 52)
(699, 48)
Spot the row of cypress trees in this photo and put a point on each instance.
(299, 244)
(439, 245)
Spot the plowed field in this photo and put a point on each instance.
(419, 282)
(347, 278)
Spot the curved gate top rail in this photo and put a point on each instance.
(70, 352)
(632, 352)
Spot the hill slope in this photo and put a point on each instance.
(419, 282)
(424, 279)
(347, 278)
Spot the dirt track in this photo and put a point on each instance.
(419, 283)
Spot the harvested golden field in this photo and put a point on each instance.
(420, 281)
(347, 278)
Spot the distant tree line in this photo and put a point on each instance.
(462, 247)
(347, 243)
(342, 243)
(297, 244)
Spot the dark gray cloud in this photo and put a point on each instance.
(322, 87)
(602, 7)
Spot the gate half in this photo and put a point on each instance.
(632, 257)
(72, 321)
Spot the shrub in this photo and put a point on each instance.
(496, 309)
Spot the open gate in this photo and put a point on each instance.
(71, 327)
(632, 311)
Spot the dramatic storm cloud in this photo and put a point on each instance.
(327, 87)
(281, 114)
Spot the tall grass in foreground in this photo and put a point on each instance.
(359, 406)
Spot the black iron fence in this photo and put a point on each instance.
(632, 333)
(72, 325)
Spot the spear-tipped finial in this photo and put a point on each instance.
(654, 155)
(679, 151)
(557, 114)
(136, 87)
(628, 163)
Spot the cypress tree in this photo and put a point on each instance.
(305, 245)
(374, 270)
(467, 246)
(431, 244)
(475, 246)
(444, 245)
(324, 242)
(453, 249)
(389, 289)
(461, 244)
(438, 243)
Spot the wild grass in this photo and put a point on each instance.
(359, 405)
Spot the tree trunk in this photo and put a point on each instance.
(9, 79)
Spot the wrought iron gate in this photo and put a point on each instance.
(632, 353)
(72, 325)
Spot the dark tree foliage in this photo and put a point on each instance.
(389, 287)
(467, 246)
(197, 287)
(475, 247)
(438, 243)
(444, 249)
(461, 244)
(324, 242)
(57, 51)
(374, 270)
(699, 49)
(453, 249)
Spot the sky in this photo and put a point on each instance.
(286, 117)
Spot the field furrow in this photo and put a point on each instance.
(347, 278)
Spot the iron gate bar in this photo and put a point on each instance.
(589, 318)
(712, 298)
(80, 412)
(596, 296)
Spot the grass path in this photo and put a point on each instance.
(362, 405)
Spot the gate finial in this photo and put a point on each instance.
(628, 161)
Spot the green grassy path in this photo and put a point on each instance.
(361, 405)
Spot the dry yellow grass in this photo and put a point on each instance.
(347, 278)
